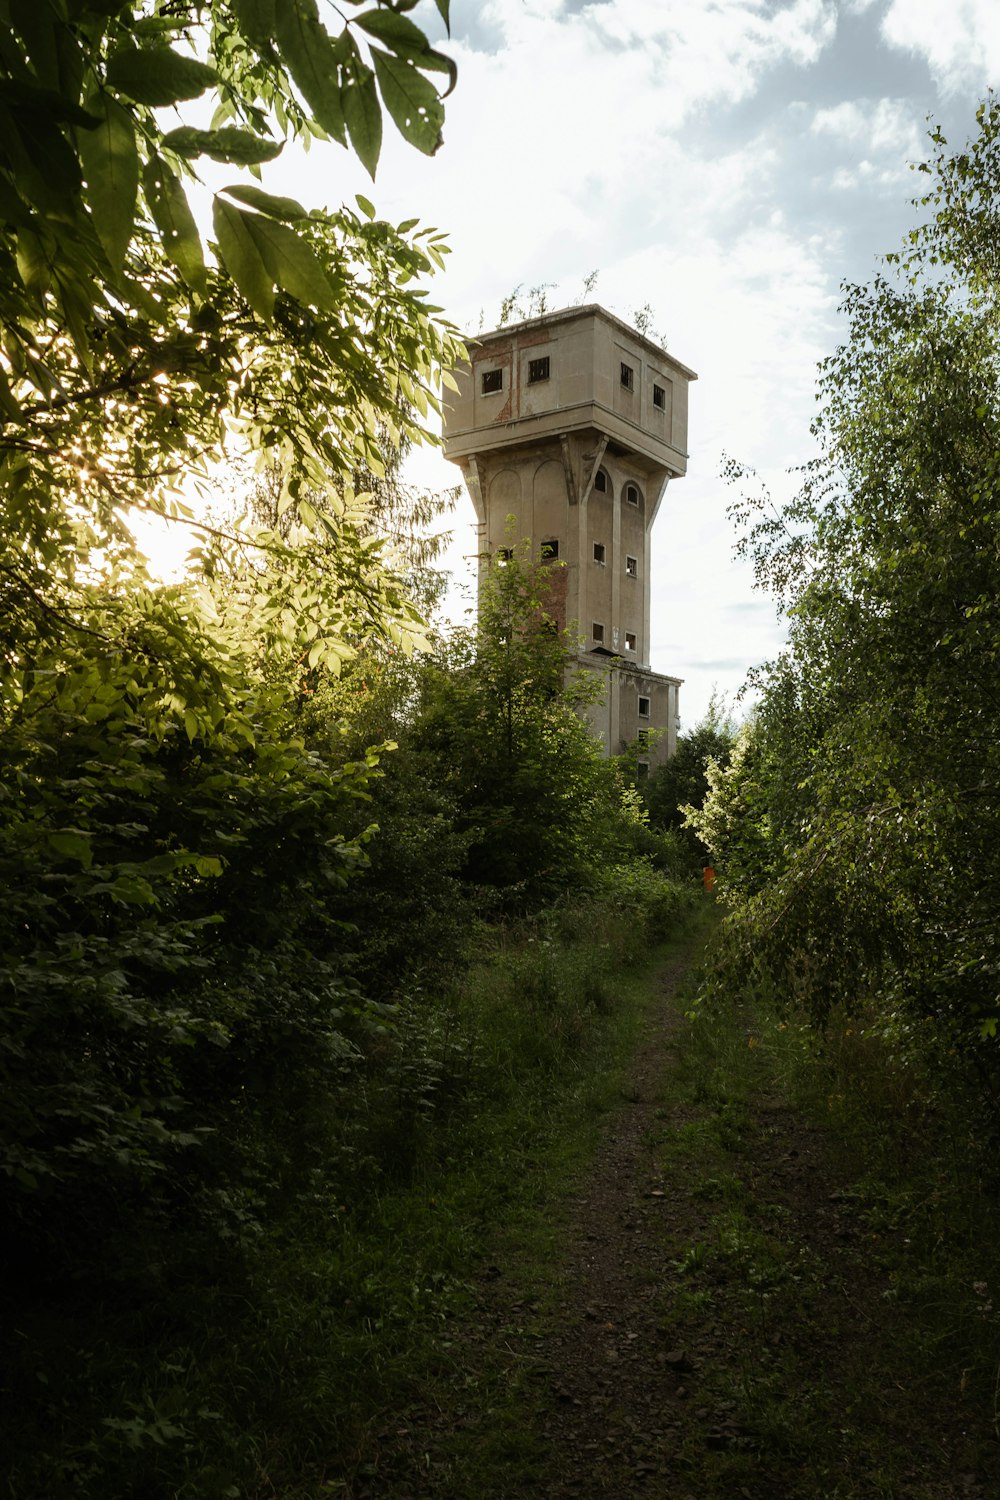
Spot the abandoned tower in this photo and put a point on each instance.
(572, 424)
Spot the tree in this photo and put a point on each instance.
(682, 781)
(167, 835)
(875, 747)
(500, 713)
(130, 361)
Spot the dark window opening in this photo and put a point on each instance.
(632, 494)
(538, 369)
(642, 770)
(492, 381)
(599, 553)
(632, 567)
(642, 739)
(504, 555)
(598, 633)
(630, 640)
(601, 481)
(644, 708)
(659, 397)
(628, 377)
(550, 550)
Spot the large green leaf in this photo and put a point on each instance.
(22, 96)
(291, 262)
(363, 114)
(228, 144)
(411, 100)
(72, 843)
(257, 19)
(173, 217)
(34, 261)
(42, 163)
(241, 257)
(12, 208)
(267, 203)
(395, 30)
(158, 75)
(406, 40)
(315, 60)
(110, 162)
(36, 25)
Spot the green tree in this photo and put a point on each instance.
(682, 781)
(500, 713)
(131, 359)
(875, 748)
(167, 835)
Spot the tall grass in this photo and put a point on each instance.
(917, 1155)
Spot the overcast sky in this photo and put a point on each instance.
(728, 162)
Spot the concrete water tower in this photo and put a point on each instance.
(573, 423)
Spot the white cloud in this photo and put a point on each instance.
(687, 55)
(958, 39)
(881, 125)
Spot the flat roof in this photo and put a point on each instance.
(572, 314)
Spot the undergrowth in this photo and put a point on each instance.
(862, 1298)
(276, 1367)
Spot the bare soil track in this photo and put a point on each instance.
(720, 1324)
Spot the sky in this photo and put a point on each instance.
(728, 163)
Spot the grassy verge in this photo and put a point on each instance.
(842, 1283)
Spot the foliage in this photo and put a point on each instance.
(155, 880)
(406, 913)
(178, 1015)
(204, 849)
(682, 781)
(871, 773)
(129, 361)
(272, 1363)
(499, 713)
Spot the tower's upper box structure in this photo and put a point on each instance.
(587, 350)
(568, 428)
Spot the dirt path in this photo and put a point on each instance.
(721, 1324)
(618, 1391)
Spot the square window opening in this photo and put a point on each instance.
(630, 640)
(599, 553)
(550, 549)
(644, 708)
(597, 630)
(492, 382)
(628, 377)
(504, 555)
(659, 397)
(642, 739)
(538, 369)
(642, 770)
(632, 567)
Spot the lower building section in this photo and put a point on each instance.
(637, 707)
